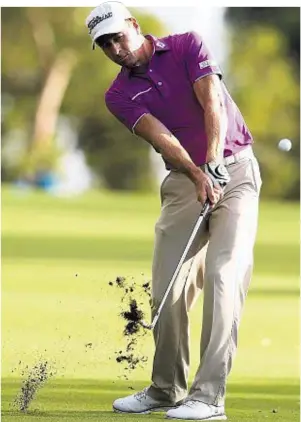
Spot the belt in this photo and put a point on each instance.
(244, 153)
(247, 152)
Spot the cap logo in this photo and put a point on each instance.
(97, 19)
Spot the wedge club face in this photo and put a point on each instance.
(146, 325)
(154, 322)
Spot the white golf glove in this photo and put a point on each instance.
(217, 173)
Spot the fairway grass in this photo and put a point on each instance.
(58, 256)
(82, 400)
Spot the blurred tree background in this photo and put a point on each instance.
(49, 71)
(50, 76)
(264, 74)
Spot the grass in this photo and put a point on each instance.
(58, 256)
(86, 400)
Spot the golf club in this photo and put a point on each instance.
(199, 221)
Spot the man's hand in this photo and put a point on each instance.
(205, 189)
(210, 182)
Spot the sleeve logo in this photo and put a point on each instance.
(207, 63)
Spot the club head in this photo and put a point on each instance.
(145, 325)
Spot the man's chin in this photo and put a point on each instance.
(128, 63)
(128, 66)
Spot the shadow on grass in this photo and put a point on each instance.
(269, 259)
(274, 387)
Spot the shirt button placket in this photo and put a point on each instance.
(157, 82)
(162, 88)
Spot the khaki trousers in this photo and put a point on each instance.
(219, 263)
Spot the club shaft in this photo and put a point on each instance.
(179, 266)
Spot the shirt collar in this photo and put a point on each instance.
(158, 44)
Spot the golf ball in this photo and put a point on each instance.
(285, 145)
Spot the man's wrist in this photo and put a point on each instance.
(213, 158)
(195, 173)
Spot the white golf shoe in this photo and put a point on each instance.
(140, 403)
(197, 411)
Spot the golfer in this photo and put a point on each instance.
(170, 92)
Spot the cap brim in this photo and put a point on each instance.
(113, 28)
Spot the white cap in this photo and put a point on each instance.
(107, 18)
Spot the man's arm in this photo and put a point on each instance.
(208, 91)
(153, 131)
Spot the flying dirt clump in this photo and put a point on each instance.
(147, 288)
(133, 316)
(120, 281)
(35, 379)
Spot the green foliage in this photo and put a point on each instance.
(45, 32)
(265, 87)
(285, 19)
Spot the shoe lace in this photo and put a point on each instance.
(141, 394)
(191, 403)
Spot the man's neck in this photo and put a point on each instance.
(146, 52)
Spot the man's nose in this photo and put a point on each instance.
(115, 48)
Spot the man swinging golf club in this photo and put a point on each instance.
(170, 92)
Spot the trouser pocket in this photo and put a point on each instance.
(256, 177)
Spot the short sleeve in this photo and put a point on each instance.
(199, 60)
(124, 109)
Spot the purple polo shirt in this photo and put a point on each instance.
(165, 90)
